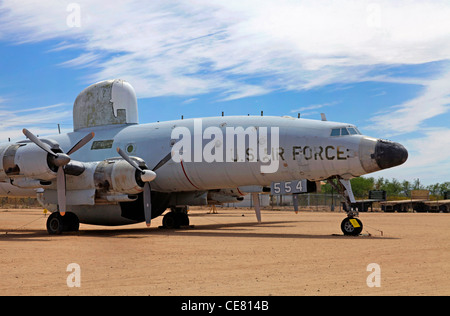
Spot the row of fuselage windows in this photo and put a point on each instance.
(344, 131)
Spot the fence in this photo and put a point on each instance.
(308, 201)
(13, 202)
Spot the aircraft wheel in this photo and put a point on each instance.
(351, 226)
(55, 225)
(183, 219)
(171, 220)
(71, 222)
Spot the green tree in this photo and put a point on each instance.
(444, 187)
(392, 188)
(406, 188)
(417, 185)
(361, 186)
(379, 183)
(434, 189)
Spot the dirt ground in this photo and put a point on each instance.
(229, 254)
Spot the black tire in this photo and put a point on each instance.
(71, 222)
(183, 219)
(55, 225)
(170, 221)
(349, 229)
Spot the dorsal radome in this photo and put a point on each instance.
(110, 102)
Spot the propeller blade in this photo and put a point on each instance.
(61, 190)
(128, 159)
(163, 161)
(38, 142)
(147, 203)
(255, 197)
(146, 177)
(86, 139)
(59, 160)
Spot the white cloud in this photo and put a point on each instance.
(41, 121)
(189, 101)
(313, 107)
(430, 149)
(434, 100)
(428, 159)
(199, 46)
(82, 61)
(247, 48)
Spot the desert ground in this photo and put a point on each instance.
(230, 254)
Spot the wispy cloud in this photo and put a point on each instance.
(428, 158)
(82, 61)
(195, 47)
(189, 101)
(41, 120)
(434, 100)
(240, 49)
(313, 107)
(428, 147)
(41, 108)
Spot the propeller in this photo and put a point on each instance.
(59, 160)
(146, 176)
(255, 197)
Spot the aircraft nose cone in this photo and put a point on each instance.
(389, 154)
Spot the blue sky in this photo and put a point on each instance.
(382, 65)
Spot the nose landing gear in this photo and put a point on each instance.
(350, 226)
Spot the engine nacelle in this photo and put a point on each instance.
(109, 181)
(24, 160)
(117, 175)
(25, 165)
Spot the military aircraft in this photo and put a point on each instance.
(113, 171)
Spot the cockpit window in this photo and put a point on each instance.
(352, 131)
(344, 131)
(335, 132)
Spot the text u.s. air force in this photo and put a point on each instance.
(329, 152)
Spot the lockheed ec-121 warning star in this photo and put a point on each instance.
(112, 171)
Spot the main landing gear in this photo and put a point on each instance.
(176, 218)
(350, 226)
(56, 224)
